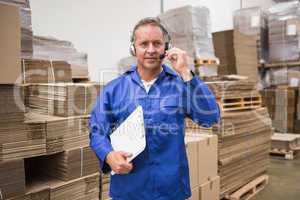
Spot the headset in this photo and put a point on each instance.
(155, 21)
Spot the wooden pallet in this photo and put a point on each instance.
(282, 64)
(249, 190)
(198, 62)
(239, 103)
(288, 154)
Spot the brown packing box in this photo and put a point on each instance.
(192, 154)
(207, 155)
(12, 178)
(210, 190)
(10, 40)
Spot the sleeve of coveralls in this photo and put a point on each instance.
(100, 125)
(200, 104)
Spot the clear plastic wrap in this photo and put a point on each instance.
(250, 26)
(282, 76)
(284, 31)
(190, 30)
(50, 48)
(54, 49)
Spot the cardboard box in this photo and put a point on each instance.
(10, 40)
(206, 157)
(210, 190)
(195, 194)
(192, 154)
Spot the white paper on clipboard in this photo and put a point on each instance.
(130, 136)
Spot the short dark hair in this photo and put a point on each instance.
(152, 21)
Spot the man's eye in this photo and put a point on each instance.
(158, 44)
(144, 44)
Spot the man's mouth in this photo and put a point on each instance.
(152, 58)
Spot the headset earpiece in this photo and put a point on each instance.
(132, 49)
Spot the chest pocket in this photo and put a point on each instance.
(170, 109)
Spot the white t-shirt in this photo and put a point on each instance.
(148, 84)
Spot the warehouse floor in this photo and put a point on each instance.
(284, 182)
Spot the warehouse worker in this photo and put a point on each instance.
(167, 96)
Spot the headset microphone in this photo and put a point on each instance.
(162, 56)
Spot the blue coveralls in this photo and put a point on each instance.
(161, 171)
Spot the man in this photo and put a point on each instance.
(160, 172)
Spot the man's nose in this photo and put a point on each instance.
(150, 48)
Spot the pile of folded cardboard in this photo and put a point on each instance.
(105, 183)
(250, 40)
(204, 179)
(17, 140)
(244, 143)
(64, 99)
(61, 133)
(233, 95)
(70, 164)
(282, 107)
(45, 71)
(47, 188)
(223, 88)
(26, 25)
(49, 48)
(284, 31)
(223, 45)
(12, 178)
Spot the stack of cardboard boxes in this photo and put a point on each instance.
(282, 106)
(250, 40)
(284, 31)
(203, 167)
(190, 30)
(224, 50)
(42, 156)
(282, 75)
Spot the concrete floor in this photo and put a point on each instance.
(284, 180)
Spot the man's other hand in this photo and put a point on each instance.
(117, 160)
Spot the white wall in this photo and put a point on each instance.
(102, 28)
(99, 27)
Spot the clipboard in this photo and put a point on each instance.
(130, 136)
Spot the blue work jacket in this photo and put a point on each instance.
(161, 171)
